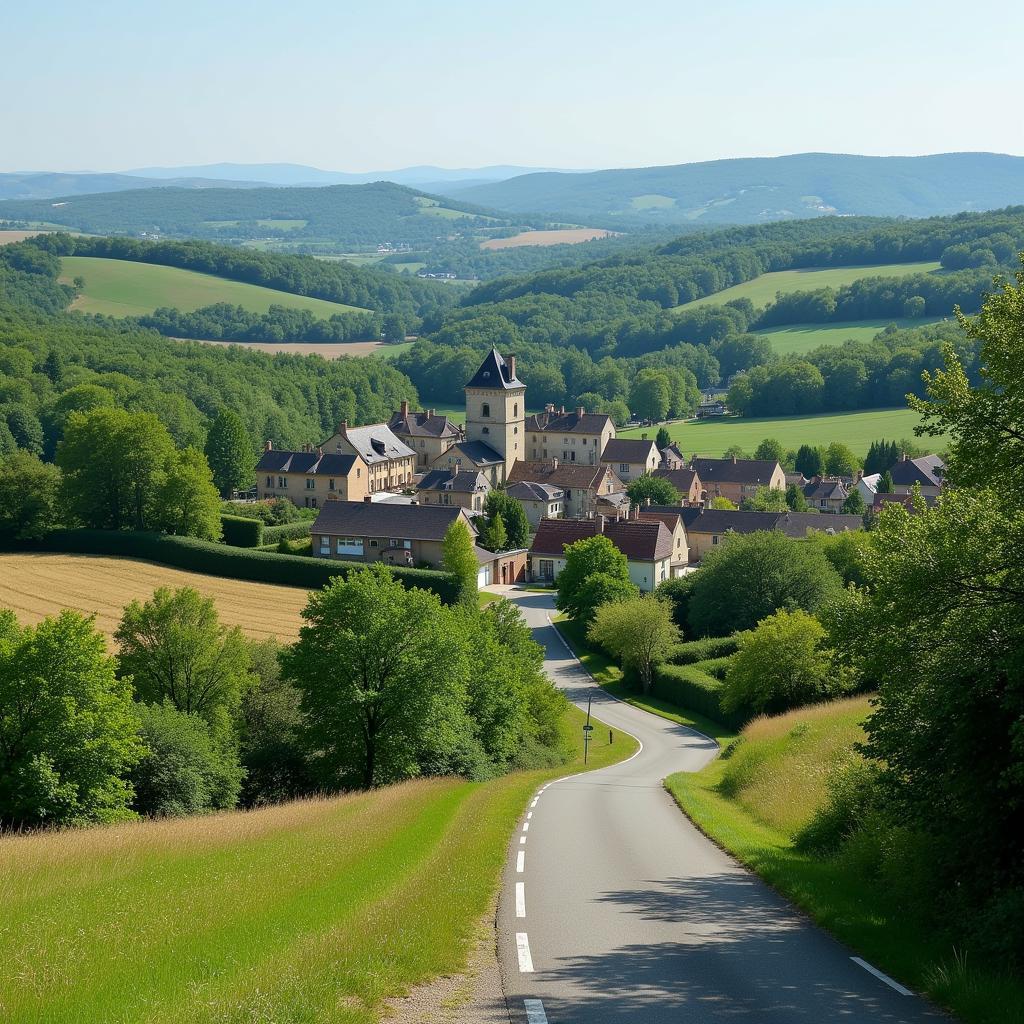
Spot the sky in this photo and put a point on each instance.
(114, 85)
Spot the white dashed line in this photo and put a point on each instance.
(520, 899)
(881, 977)
(523, 949)
(535, 1012)
(522, 840)
(529, 815)
(526, 826)
(520, 861)
(534, 804)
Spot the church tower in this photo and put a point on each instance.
(496, 408)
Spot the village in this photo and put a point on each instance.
(388, 492)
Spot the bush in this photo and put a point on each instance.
(691, 687)
(677, 592)
(234, 563)
(241, 533)
(287, 531)
(853, 794)
(703, 650)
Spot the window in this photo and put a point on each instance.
(515, 430)
(584, 441)
(485, 409)
(373, 542)
(547, 569)
(714, 540)
(282, 481)
(310, 484)
(486, 430)
(330, 485)
(623, 467)
(270, 481)
(325, 545)
(515, 408)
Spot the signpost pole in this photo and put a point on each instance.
(587, 729)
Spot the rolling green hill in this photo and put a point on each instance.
(125, 288)
(798, 339)
(756, 190)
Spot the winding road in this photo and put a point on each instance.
(615, 908)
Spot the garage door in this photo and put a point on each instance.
(483, 577)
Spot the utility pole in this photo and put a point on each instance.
(587, 730)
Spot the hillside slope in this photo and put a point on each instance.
(754, 190)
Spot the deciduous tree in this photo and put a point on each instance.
(585, 558)
(638, 631)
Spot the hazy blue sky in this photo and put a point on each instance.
(363, 86)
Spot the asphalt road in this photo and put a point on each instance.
(623, 911)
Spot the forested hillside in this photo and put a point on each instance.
(755, 190)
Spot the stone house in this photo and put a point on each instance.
(311, 477)
(391, 463)
(686, 481)
(576, 436)
(426, 433)
(540, 501)
(737, 479)
(631, 458)
(582, 485)
(465, 488)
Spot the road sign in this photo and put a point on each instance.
(588, 728)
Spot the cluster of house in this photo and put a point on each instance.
(390, 491)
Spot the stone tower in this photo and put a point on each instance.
(496, 408)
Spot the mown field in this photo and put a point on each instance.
(125, 288)
(554, 236)
(856, 429)
(753, 802)
(38, 584)
(328, 350)
(318, 910)
(797, 339)
(762, 290)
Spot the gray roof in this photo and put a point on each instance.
(796, 524)
(478, 452)
(528, 490)
(627, 449)
(423, 424)
(277, 460)
(819, 489)
(379, 519)
(464, 480)
(722, 520)
(567, 422)
(494, 372)
(377, 443)
(737, 471)
(926, 471)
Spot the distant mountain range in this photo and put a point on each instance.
(54, 185)
(754, 190)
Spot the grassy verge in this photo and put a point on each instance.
(608, 676)
(310, 911)
(754, 802)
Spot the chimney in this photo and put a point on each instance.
(404, 408)
(579, 411)
(343, 427)
(554, 463)
(320, 451)
(600, 523)
(549, 407)
(734, 460)
(511, 360)
(368, 499)
(561, 410)
(268, 446)
(903, 456)
(647, 500)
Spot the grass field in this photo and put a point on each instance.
(753, 801)
(797, 339)
(761, 290)
(125, 288)
(310, 911)
(328, 349)
(556, 236)
(41, 583)
(856, 429)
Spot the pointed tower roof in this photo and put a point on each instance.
(496, 372)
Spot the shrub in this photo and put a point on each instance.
(677, 592)
(234, 563)
(287, 531)
(689, 686)
(853, 793)
(241, 533)
(600, 589)
(705, 649)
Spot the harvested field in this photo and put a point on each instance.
(38, 584)
(6, 237)
(559, 236)
(329, 350)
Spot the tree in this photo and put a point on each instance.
(583, 559)
(881, 456)
(809, 461)
(382, 675)
(734, 451)
(769, 499)
(68, 729)
(600, 588)
(638, 631)
(459, 558)
(187, 768)
(650, 395)
(494, 536)
(771, 450)
(781, 664)
(517, 526)
(24, 426)
(885, 484)
(175, 649)
(795, 499)
(28, 496)
(619, 412)
(186, 501)
(723, 503)
(654, 489)
(229, 451)
(854, 504)
(663, 438)
(839, 460)
(113, 464)
(750, 576)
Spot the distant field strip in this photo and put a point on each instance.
(125, 288)
(856, 429)
(558, 236)
(762, 290)
(39, 584)
(327, 349)
(797, 339)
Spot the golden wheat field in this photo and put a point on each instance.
(41, 583)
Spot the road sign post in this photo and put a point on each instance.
(587, 730)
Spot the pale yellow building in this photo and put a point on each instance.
(311, 477)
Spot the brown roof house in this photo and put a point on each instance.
(390, 461)
(426, 433)
(630, 458)
(826, 493)
(575, 436)
(540, 501)
(672, 517)
(737, 479)
(582, 485)
(311, 477)
(686, 481)
(466, 488)
(646, 543)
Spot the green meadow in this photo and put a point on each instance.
(798, 339)
(712, 437)
(308, 911)
(762, 290)
(126, 288)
